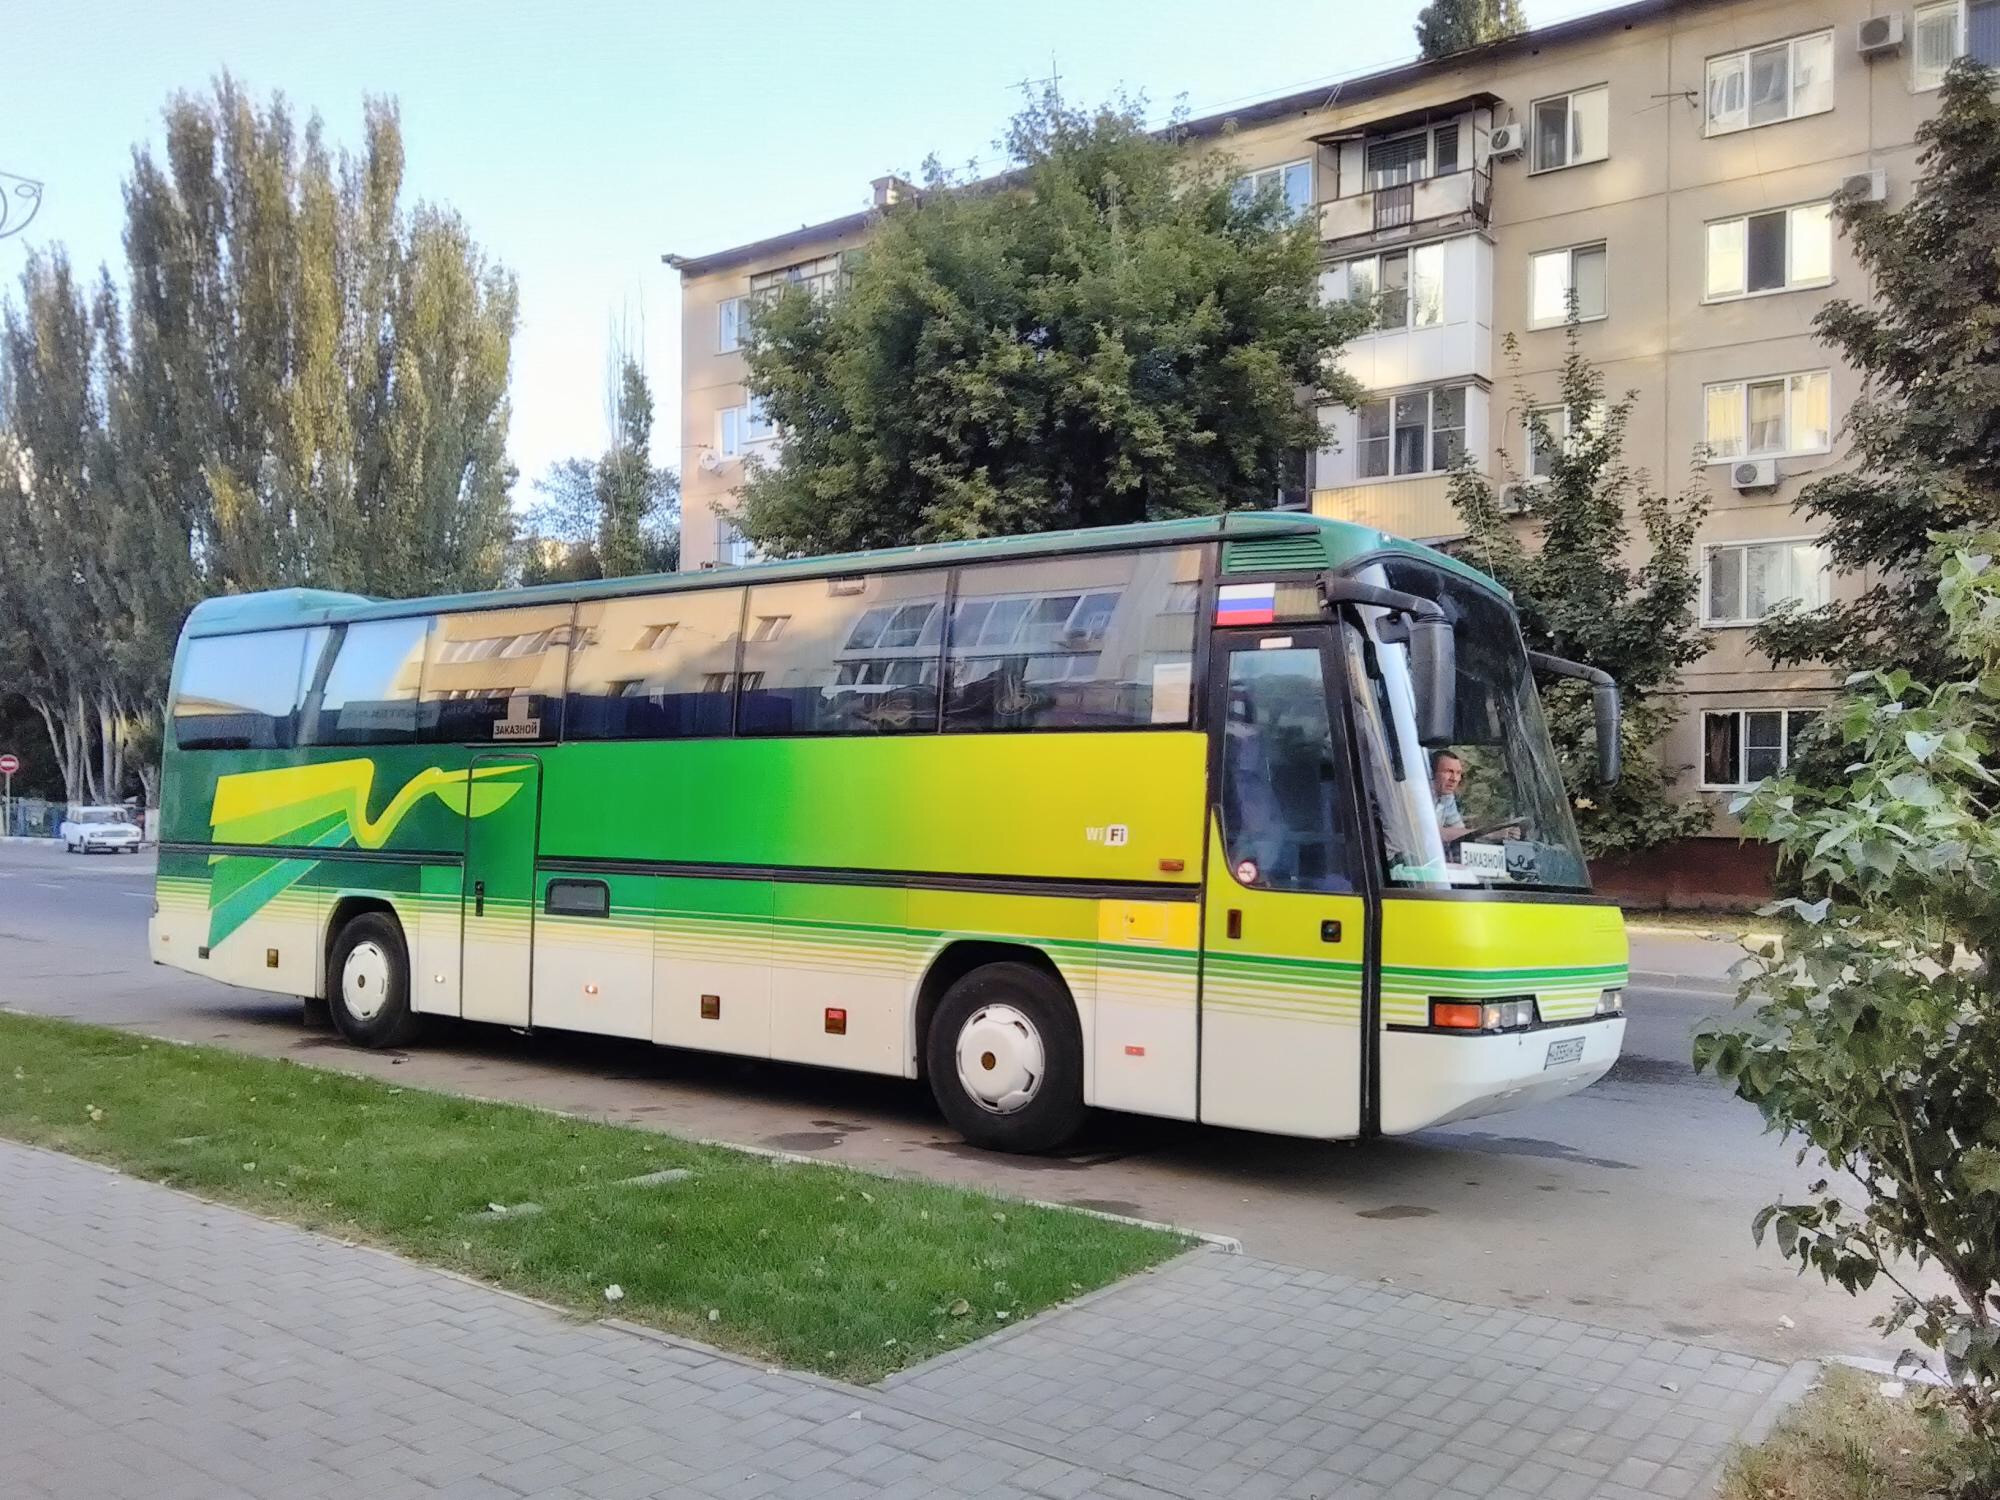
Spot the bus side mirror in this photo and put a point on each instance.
(1604, 704)
(1434, 675)
(1610, 753)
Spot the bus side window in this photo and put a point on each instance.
(365, 692)
(653, 667)
(495, 675)
(1282, 808)
(1102, 641)
(855, 655)
(240, 692)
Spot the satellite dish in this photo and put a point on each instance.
(711, 462)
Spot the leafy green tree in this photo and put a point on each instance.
(1448, 26)
(303, 386)
(1874, 1037)
(610, 518)
(318, 380)
(1925, 432)
(1111, 332)
(61, 643)
(1582, 596)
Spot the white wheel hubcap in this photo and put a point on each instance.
(1000, 1059)
(364, 981)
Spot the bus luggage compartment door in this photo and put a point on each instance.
(497, 906)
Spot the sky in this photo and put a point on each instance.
(581, 141)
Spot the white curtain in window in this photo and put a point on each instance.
(1727, 106)
(1590, 125)
(1726, 255)
(1427, 286)
(1722, 421)
(1765, 416)
(1811, 418)
(1935, 43)
(1811, 243)
(1812, 74)
(1548, 289)
(1587, 278)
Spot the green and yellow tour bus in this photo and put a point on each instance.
(1251, 820)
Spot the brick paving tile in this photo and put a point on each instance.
(153, 1346)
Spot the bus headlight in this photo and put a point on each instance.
(1611, 1003)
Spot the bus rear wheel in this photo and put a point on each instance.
(368, 982)
(1005, 1059)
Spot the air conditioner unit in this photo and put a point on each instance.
(1865, 187)
(1879, 36)
(1506, 140)
(1754, 474)
(1517, 499)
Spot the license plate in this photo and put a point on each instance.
(1568, 1050)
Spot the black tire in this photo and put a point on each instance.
(1055, 1111)
(382, 968)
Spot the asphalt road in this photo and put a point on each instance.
(1628, 1204)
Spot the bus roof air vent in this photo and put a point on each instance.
(1276, 554)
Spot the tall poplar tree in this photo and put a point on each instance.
(303, 385)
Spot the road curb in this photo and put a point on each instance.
(1694, 984)
(1227, 1244)
(1792, 1386)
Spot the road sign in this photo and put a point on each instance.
(9, 764)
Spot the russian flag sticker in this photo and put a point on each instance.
(1246, 604)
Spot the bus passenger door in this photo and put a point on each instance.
(497, 905)
(1284, 915)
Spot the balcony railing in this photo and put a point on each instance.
(1466, 196)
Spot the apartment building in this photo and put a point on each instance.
(1669, 164)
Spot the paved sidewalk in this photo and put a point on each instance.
(162, 1348)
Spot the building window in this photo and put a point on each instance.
(1292, 182)
(820, 277)
(1571, 129)
(1444, 149)
(1954, 29)
(1418, 432)
(1742, 746)
(1405, 287)
(729, 324)
(1554, 275)
(1742, 582)
(1556, 423)
(732, 548)
(1778, 251)
(742, 427)
(1765, 85)
(1773, 417)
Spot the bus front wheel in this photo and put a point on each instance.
(368, 982)
(1005, 1059)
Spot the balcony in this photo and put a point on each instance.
(1430, 205)
(1419, 508)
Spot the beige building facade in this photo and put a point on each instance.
(1668, 165)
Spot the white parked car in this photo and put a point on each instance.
(88, 830)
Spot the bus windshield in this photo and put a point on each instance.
(1488, 811)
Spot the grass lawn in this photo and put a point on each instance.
(815, 1267)
(1846, 1441)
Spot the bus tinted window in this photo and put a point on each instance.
(843, 655)
(1103, 642)
(240, 692)
(660, 667)
(364, 690)
(495, 675)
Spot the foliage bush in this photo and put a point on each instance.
(1874, 1036)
